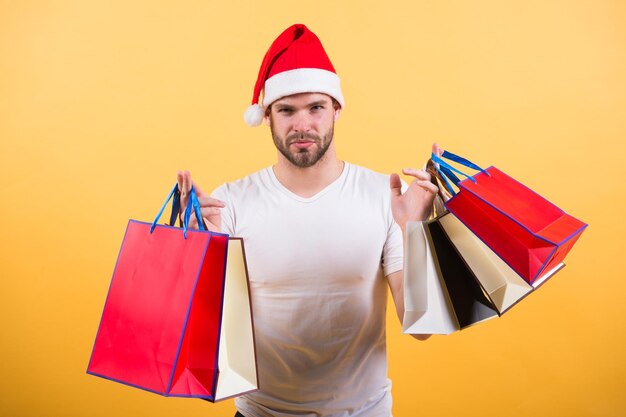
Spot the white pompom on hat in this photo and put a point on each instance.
(295, 63)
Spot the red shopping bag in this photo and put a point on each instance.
(528, 232)
(177, 318)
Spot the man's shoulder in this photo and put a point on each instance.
(373, 180)
(369, 176)
(367, 171)
(246, 185)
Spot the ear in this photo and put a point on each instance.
(266, 115)
(337, 113)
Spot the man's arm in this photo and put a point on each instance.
(415, 204)
(396, 285)
(407, 207)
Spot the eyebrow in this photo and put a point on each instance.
(284, 106)
(317, 103)
(312, 104)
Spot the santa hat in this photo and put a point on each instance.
(295, 63)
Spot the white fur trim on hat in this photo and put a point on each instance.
(253, 116)
(302, 80)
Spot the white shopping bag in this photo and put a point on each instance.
(427, 309)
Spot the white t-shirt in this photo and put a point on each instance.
(319, 296)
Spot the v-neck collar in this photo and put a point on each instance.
(294, 196)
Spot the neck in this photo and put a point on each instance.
(306, 182)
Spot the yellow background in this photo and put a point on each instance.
(102, 101)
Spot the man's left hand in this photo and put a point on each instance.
(417, 201)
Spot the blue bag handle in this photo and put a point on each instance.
(193, 199)
(195, 204)
(175, 208)
(462, 161)
(447, 171)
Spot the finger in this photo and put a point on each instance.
(395, 184)
(210, 211)
(183, 182)
(417, 173)
(437, 150)
(206, 201)
(187, 182)
(427, 185)
(184, 189)
(179, 179)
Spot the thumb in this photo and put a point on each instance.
(395, 185)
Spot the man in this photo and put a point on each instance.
(323, 240)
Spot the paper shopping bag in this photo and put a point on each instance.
(502, 285)
(177, 319)
(528, 232)
(440, 293)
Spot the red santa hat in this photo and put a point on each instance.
(295, 63)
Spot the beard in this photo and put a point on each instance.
(304, 158)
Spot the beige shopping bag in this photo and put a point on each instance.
(501, 283)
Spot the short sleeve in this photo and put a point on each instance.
(393, 258)
(393, 251)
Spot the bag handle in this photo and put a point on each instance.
(193, 199)
(175, 208)
(444, 191)
(462, 161)
(436, 179)
(194, 204)
(447, 171)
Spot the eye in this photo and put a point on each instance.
(317, 108)
(285, 111)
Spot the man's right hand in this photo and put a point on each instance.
(209, 207)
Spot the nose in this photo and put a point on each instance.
(302, 122)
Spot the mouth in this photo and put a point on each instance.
(303, 144)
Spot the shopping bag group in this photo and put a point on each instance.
(496, 242)
(177, 319)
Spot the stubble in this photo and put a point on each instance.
(303, 158)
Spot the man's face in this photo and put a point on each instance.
(302, 127)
